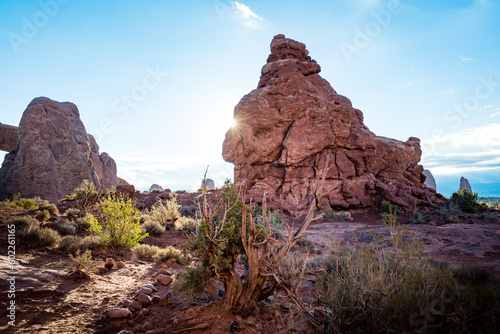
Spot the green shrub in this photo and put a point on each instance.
(119, 223)
(273, 217)
(489, 218)
(85, 190)
(193, 283)
(390, 208)
(23, 223)
(418, 218)
(373, 288)
(80, 264)
(70, 244)
(24, 203)
(465, 200)
(46, 237)
(50, 207)
(152, 227)
(341, 215)
(83, 223)
(185, 224)
(65, 226)
(73, 212)
(145, 251)
(42, 214)
(170, 253)
(188, 211)
(448, 213)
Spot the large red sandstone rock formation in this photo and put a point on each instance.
(294, 121)
(52, 154)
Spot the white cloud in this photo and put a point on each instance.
(250, 19)
(464, 59)
(448, 92)
(495, 114)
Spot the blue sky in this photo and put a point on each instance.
(156, 81)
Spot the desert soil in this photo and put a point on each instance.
(49, 301)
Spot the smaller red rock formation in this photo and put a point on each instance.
(52, 153)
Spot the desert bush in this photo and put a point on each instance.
(448, 213)
(341, 215)
(72, 212)
(390, 208)
(276, 220)
(24, 203)
(80, 264)
(42, 214)
(50, 207)
(119, 222)
(185, 224)
(374, 288)
(23, 223)
(46, 237)
(170, 253)
(65, 226)
(85, 189)
(153, 227)
(418, 218)
(145, 251)
(489, 218)
(192, 283)
(465, 200)
(83, 223)
(70, 244)
(188, 211)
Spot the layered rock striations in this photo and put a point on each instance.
(8, 137)
(53, 154)
(295, 121)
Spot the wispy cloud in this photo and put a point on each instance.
(448, 92)
(495, 114)
(465, 59)
(249, 18)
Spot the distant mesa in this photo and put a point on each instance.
(208, 183)
(464, 184)
(430, 182)
(156, 187)
(294, 121)
(52, 153)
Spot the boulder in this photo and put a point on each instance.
(294, 122)
(430, 182)
(52, 154)
(155, 186)
(464, 184)
(209, 183)
(117, 313)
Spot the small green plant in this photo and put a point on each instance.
(489, 218)
(390, 208)
(145, 252)
(118, 226)
(65, 226)
(83, 223)
(42, 215)
(50, 207)
(85, 189)
(80, 264)
(185, 224)
(418, 218)
(23, 223)
(46, 237)
(72, 212)
(153, 227)
(341, 215)
(188, 211)
(193, 283)
(448, 213)
(170, 253)
(28, 229)
(71, 244)
(465, 200)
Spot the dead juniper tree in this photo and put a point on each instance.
(227, 230)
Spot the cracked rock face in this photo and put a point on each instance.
(295, 121)
(53, 154)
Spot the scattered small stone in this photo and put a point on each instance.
(139, 317)
(164, 279)
(136, 305)
(155, 298)
(143, 290)
(102, 270)
(144, 299)
(170, 262)
(153, 331)
(117, 313)
(166, 300)
(147, 326)
(125, 332)
(126, 303)
(120, 264)
(192, 313)
(164, 271)
(175, 321)
(110, 263)
(141, 262)
(145, 312)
